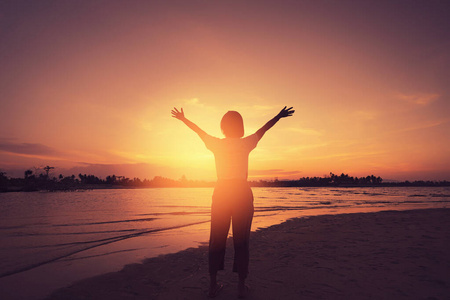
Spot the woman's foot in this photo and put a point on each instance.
(243, 290)
(215, 290)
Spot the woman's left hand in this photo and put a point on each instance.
(178, 114)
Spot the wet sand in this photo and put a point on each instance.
(384, 255)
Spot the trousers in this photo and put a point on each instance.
(232, 201)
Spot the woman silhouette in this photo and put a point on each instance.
(232, 198)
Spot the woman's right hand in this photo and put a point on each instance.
(285, 112)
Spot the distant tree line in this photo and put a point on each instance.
(38, 179)
(41, 179)
(331, 180)
(344, 180)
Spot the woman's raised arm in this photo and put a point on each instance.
(180, 116)
(282, 114)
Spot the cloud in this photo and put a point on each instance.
(272, 173)
(419, 99)
(343, 156)
(298, 148)
(27, 148)
(426, 125)
(265, 107)
(365, 115)
(193, 102)
(305, 131)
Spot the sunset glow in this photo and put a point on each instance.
(89, 87)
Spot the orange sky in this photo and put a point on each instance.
(89, 87)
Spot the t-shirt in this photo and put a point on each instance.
(231, 155)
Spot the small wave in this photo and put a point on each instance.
(182, 206)
(99, 255)
(177, 213)
(417, 195)
(182, 213)
(378, 202)
(105, 222)
(299, 208)
(72, 233)
(86, 245)
(12, 227)
(265, 215)
(439, 195)
(23, 226)
(372, 194)
(348, 191)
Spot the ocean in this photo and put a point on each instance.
(51, 239)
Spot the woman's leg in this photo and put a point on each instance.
(220, 224)
(242, 223)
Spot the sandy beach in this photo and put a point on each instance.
(384, 255)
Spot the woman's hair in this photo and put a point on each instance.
(232, 124)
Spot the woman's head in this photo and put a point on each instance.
(232, 124)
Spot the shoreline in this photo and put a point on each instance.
(279, 184)
(381, 255)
